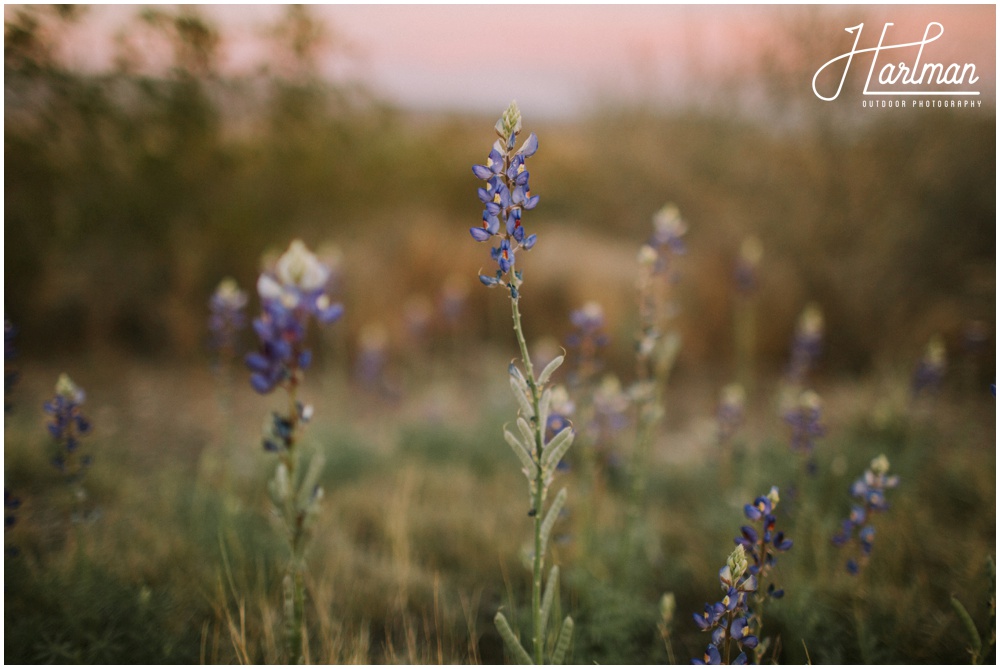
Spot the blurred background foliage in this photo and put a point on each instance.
(130, 193)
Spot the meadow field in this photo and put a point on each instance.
(742, 304)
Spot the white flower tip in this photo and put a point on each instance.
(300, 267)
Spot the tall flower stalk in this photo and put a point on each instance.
(291, 295)
(67, 427)
(656, 349)
(728, 619)
(505, 197)
(869, 491)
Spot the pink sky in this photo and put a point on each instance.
(558, 59)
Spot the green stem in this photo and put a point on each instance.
(639, 468)
(294, 521)
(538, 558)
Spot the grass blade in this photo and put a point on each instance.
(970, 627)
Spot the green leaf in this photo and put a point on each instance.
(551, 592)
(521, 395)
(551, 516)
(310, 479)
(526, 432)
(562, 643)
(513, 645)
(970, 626)
(530, 468)
(556, 449)
(279, 485)
(543, 407)
(549, 369)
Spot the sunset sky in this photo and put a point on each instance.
(559, 59)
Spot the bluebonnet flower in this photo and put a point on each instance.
(930, 371)
(804, 420)
(611, 405)
(226, 317)
(761, 540)
(290, 295)
(67, 426)
(667, 238)
(747, 264)
(654, 350)
(807, 344)
(372, 361)
(505, 196)
(730, 416)
(729, 619)
(869, 491)
(586, 340)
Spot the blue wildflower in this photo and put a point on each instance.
(929, 374)
(226, 318)
(729, 416)
(870, 491)
(67, 426)
(728, 620)
(804, 420)
(668, 236)
(807, 344)
(505, 196)
(585, 342)
(762, 541)
(745, 273)
(290, 295)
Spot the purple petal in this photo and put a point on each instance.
(530, 146)
(330, 314)
(480, 234)
(261, 383)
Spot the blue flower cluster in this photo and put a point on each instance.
(506, 195)
(747, 264)
(68, 424)
(290, 295)
(870, 491)
(226, 317)
(761, 541)
(729, 619)
(807, 344)
(667, 239)
(929, 374)
(730, 414)
(585, 341)
(804, 420)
